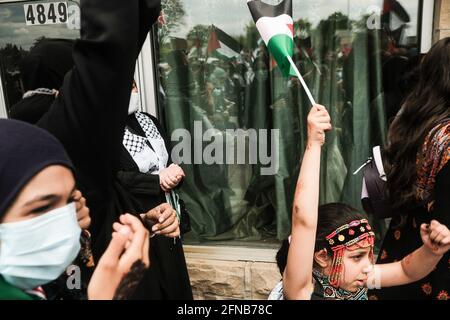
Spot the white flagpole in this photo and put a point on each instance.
(310, 97)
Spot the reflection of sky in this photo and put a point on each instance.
(13, 28)
(230, 15)
(233, 15)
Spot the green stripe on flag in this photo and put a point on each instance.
(281, 46)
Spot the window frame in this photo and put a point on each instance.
(144, 75)
(426, 15)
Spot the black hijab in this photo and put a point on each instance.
(44, 67)
(24, 152)
(47, 64)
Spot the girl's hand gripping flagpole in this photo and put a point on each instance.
(276, 27)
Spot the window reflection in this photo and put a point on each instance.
(17, 38)
(358, 57)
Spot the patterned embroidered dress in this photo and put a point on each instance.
(433, 179)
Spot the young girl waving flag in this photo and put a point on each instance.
(329, 254)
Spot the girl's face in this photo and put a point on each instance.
(50, 189)
(357, 265)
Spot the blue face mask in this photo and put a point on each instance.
(37, 251)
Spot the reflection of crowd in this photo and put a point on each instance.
(215, 84)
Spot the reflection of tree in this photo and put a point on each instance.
(198, 36)
(11, 56)
(173, 11)
(37, 41)
(251, 36)
(335, 34)
(336, 21)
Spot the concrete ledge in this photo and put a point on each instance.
(226, 253)
(236, 273)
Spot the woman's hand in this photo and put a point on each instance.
(170, 177)
(435, 237)
(130, 243)
(163, 221)
(318, 123)
(83, 217)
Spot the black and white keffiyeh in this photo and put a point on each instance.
(45, 91)
(133, 143)
(149, 152)
(150, 129)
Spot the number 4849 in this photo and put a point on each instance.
(46, 13)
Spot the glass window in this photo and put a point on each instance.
(22, 25)
(221, 94)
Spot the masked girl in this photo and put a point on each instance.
(39, 229)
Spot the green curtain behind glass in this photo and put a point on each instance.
(342, 66)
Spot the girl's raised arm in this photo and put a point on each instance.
(297, 277)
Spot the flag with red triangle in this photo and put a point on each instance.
(276, 28)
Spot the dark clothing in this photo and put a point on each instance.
(89, 118)
(47, 64)
(127, 287)
(402, 239)
(43, 68)
(139, 193)
(31, 109)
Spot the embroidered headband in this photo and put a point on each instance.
(344, 237)
(349, 234)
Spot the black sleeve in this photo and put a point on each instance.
(441, 210)
(90, 113)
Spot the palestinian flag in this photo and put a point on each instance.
(276, 28)
(222, 43)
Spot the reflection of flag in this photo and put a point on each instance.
(393, 6)
(223, 43)
(213, 42)
(276, 27)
